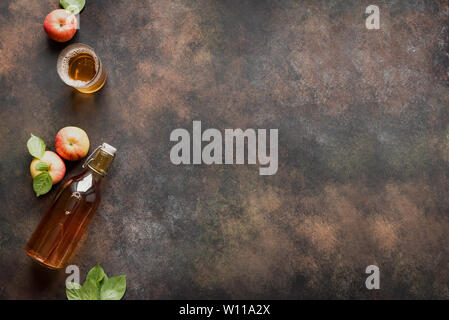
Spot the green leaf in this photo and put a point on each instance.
(89, 290)
(114, 288)
(42, 183)
(105, 278)
(73, 291)
(97, 286)
(74, 6)
(96, 274)
(42, 166)
(36, 146)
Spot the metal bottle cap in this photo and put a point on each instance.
(108, 148)
(101, 150)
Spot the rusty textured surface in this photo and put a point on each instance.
(363, 147)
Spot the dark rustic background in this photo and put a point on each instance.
(363, 147)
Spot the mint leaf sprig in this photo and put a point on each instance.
(43, 182)
(97, 286)
(36, 146)
(74, 6)
(42, 166)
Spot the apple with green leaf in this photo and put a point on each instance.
(50, 162)
(47, 168)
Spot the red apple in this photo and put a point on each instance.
(56, 167)
(72, 143)
(60, 25)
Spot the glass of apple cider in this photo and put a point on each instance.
(79, 67)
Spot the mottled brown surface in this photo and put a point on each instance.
(363, 147)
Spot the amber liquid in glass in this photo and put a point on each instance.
(79, 67)
(82, 67)
(63, 225)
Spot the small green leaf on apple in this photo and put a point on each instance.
(42, 183)
(42, 166)
(36, 146)
(74, 6)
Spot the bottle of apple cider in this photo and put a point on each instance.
(61, 228)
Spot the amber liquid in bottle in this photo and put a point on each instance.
(63, 225)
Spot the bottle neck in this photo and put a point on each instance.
(100, 164)
(96, 176)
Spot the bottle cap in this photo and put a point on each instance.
(108, 148)
(101, 158)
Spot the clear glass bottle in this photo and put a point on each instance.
(61, 228)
